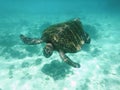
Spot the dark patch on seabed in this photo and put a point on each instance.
(57, 70)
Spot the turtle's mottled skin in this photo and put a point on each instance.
(66, 37)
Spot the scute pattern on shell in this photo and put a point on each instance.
(67, 36)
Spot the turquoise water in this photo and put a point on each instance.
(23, 67)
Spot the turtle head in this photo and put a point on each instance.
(86, 38)
(48, 50)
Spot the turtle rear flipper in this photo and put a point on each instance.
(66, 59)
(30, 41)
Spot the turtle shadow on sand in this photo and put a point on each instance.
(56, 69)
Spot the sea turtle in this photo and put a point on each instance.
(66, 37)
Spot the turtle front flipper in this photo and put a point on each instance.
(66, 59)
(30, 41)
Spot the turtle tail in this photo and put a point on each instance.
(30, 41)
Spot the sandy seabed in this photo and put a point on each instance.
(23, 67)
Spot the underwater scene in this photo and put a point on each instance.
(24, 67)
